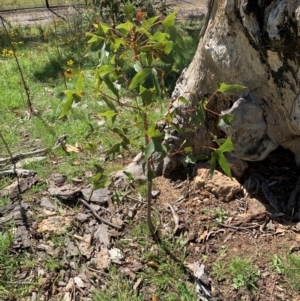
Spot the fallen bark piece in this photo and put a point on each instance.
(18, 186)
(14, 212)
(102, 236)
(65, 192)
(47, 204)
(99, 196)
(55, 224)
(219, 185)
(18, 172)
(22, 238)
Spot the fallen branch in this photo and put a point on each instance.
(239, 227)
(20, 156)
(102, 220)
(18, 172)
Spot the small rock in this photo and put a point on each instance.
(61, 283)
(220, 185)
(78, 281)
(155, 193)
(115, 254)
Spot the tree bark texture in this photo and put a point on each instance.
(252, 43)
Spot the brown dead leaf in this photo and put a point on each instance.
(202, 236)
(152, 264)
(72, 149)
(75, 163)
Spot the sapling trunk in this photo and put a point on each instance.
(149, 199)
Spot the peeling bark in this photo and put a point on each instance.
(255, 44)
(252, 43)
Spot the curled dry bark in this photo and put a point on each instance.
(255, 44)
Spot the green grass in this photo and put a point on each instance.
(289, 267)
(163, 274)
(44, 53)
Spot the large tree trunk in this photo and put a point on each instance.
(254, 43)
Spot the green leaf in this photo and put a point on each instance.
(115, 149)
(106, 78)
(68, 103)
(227, 118)
(153, 132)
(129, 11)
(169, 21)
(224, 88)
(169, 47)
(227, 146)
(137, 66)
(104, 69)
(149, 150)
(125, 28)
(224, 164)
(160, 36)
(189, 159)
(140, 78)
(149, 22)
(79, 83)
(109, 103)
(147, 94)
(108, 114)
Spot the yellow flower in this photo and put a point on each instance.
(70, 63)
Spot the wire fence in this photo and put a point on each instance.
(7, 5)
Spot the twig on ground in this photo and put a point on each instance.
(102, 220)
(176, 218)
(253, 226)
(14, 158)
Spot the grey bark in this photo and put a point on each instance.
(252, 43)
(255, 44)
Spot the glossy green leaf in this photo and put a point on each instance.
(147, 95)
(227, 146)
(189, 159)
(169, 21)
(125, 28)
(227, 118)
(106, 78)
(68, 103)
(149, 22)
(140, 78)
(224, 164)
(79, 83)
(108, 114)
(137, 66)
(224, 88)
(109, 103)
(149, 150)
